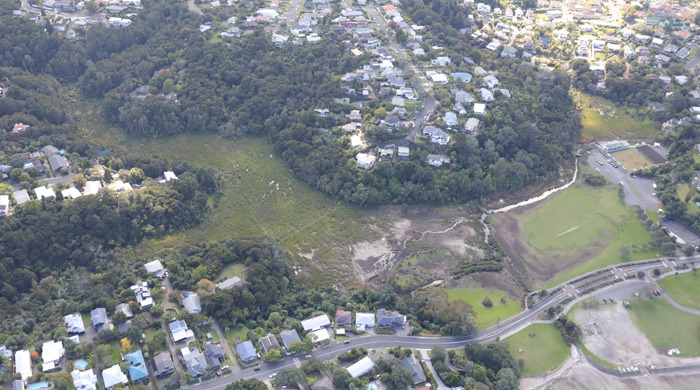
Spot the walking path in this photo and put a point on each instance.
(224, 342)
(426, 359)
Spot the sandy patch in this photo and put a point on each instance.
(615, 338)
(372, 258)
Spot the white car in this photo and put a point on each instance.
(273, 375)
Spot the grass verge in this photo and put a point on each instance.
(486, 316)
(667, 327)
(541, 347)
(683, 288)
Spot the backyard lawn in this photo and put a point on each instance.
(667, 327)
(236, 335)
(487, 316)
(541, 347)
(684, 288)
(231, 270)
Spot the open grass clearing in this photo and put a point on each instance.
(534, 235)
(602, 120)
(667, 327)
(486, 316)
(653, 215)
(631, 159)
(541, 347)
(683, 288)
(231, 270)
(236, 335)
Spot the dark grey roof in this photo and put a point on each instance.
(49, 150)
(289, 337)
(230, 283)
(411, 365)
(98, 317)
(163, 363)
(387, 318)
(58, 162)
(21, 196)
(214, 350)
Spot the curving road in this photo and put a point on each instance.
(569, 289)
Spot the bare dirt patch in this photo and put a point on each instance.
(618, 340)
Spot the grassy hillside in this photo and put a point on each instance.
(486, 316)
(541, 347)
(602, 120)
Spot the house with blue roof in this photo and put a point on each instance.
(461, 76)
(137, 370)
(246, 351)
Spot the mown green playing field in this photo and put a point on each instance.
(541, 347)
(667, 327)
(486, 316)
(575, 216)
(684, 289)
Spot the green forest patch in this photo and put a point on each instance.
(486, 316)
(667, 327)
(683, 288)
(546, 242)
(541, 347)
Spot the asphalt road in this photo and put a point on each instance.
(692, 63)
(293, 10)
(568, 290)
(644, 187)
(682, 232)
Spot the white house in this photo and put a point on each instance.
(113, 377)
(436, 135)
(491, 81)
(365, 161)
(84, 380)
(155, 267)
(315, 323)
(44, 193)
(360, 368)
(364, 320)
(23, 364)
(74, 323)
(51, 353)
(450, 119)
(437, 160)
(486, 95)
(320, 335)
(71, 193)
(91, 187)
(480, 109)
(169, 175)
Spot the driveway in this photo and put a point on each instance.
(683, 234)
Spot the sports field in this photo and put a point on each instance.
(486, 316)
(573, 232)
(667, 327)
(541, 347)
(683, 288)
(631, 159)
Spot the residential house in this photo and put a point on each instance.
(464, 97)
(392, 122)
(229, 283)
(365, 161)
(21, 196)
(363, 321)
(362, 367)
(51, 354)
(436, 135)
(289, 337)
(657, 107)
(163, 364)
(84, 380)
(4, 205)
(214, 355)
(23, 364)
(124, 308)
(180, 331)
(49, 150)
(682, 34)
(319, 336)
(356, 142)
(315, 323)
(44, 193)
(508, 52)
(143, 295)
(439, 78)
(411, 365)
(71, 193)
(246, 351)
(461, 76)
(269, 343)
(671, 48)
(656, 43)
(491, 81)
(192, 304)
(155, 267)
(486, 95)
(450, 119)
(169, 175)
(195, 362)
(138, 372)
(19, 127)
(437, 160)
(403, 152)
(480, 109)
(355, 115)
(460, 109)
(343, 318)
(99, 319)
(113, 377)
(441, 61)
(74, 323)
(493, 45)
(92, 187)
(472, 125)
(390, 319)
